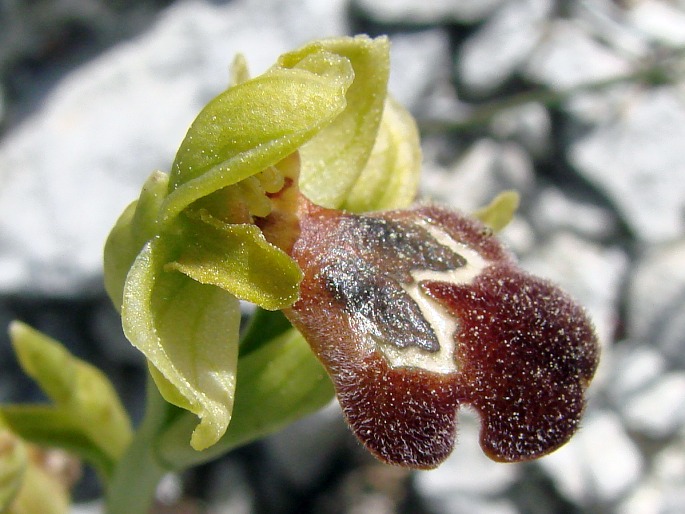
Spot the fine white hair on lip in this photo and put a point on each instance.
(443, 323)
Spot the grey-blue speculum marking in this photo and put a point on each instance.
(379, 303)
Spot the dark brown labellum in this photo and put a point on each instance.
(416, 312)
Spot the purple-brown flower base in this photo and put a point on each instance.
(416, 312)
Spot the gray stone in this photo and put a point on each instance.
(661, 491)
(419, 64)
(305, 448)
(420, 13)
(2, 104)
(599, 464)
(555, 210)
(591, 108)
(500, 47)
(605, 20)
(467, 472)
(472, 504)
(483, 171)
(33, 29)
(656, 301)
(658, 411)
(91, 507)
(636, 159)
(634, 368)
(649, 397)
(571, 56)
(69, 170)
(568, 56)
(659, 22)
(529, 125)
(229, 490)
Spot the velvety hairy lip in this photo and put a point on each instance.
(416, 312)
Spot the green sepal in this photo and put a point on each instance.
(255, 124)
(390, 178)
(189, 333)
(333, 160)
(87, 416)
(500, 211)
(278, 383)
(136, 225)
(238, 259)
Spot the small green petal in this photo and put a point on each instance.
(239, 71)
(498, 213)
(333, 160)
(255, 124)
(391, 176)
(136, 225)
(239, 260)
(189, 332)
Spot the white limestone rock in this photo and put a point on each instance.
(489, 57)
(568, 56)
(656, 301)
(425, 12)
(636, 158)
(599, 465)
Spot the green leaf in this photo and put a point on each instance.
(498, 213)
(254, 125)
(333, 160)
(50, 426)
(278, 383)
(391, 176)
(263, 327)
(189, 332)
(136, 225)
(239, 260)
(13, 464)
(85, 403)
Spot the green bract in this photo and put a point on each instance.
(182, 256)
(86, 416)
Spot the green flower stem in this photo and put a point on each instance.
(132, 488)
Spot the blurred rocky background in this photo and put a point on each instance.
(578, 105)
